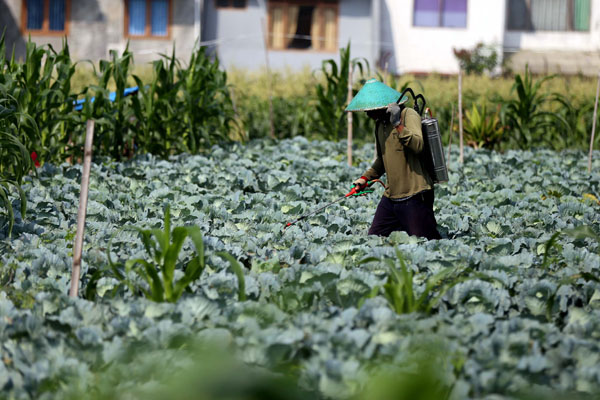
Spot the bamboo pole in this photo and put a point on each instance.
(265, 29)
(460, 117)
(450, 138)
(83, 197)
(593, 127)
(350, 116)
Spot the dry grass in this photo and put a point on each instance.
(439, 90)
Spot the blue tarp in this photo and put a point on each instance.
(112, 96)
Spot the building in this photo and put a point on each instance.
(301, 32)
(94, 27)
(400, 35)
(549, 35)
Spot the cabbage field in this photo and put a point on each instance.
(506, 305)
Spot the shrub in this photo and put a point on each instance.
(478, 60)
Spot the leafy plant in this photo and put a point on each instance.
(184, 109)
(39, 93)
(15, 160)
(116, 120)
(573, 130)
(478, 60)
(157, 112)
(333, 95)
(239, 273)
(483, 129)
(206, 103)
(158, 273)
(15, 163)
(401, 294)
(525, 116)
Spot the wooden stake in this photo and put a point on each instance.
(593, 127)
(83, 197)
(460, 117)
(350, 116)
(386, 73)
(269, 83)
(450, 138)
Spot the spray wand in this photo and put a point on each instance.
(357, 190)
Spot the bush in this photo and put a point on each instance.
(478, 60)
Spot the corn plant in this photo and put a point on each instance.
(332, 97)
(15, 163)
(157, 113)
(573, 132)
(116, 121)
(206, 103)
(239, 273)
(526, 118)
(39, 90)
(483, 129)
(401, 294)
(157, 273)
(184, 109)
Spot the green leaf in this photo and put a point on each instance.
(239, 273)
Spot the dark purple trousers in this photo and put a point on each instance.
(413, 215)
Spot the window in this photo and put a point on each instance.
(230, 3)
(147, 18)
(549, 15)
(303, 25)
(47, 17)
(440, 13)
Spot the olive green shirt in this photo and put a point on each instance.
(398, 157)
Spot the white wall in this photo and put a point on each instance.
(425, 49)
(241, 44)
(570, 41)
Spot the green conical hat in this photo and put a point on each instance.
(373, 96)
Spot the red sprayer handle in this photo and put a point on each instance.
(357, 188)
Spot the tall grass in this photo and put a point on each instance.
(569, 97)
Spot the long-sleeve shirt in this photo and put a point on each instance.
(398, 157)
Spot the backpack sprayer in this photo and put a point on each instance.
(433, 152)
(356, 191)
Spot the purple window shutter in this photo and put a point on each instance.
(454, 13)
(427, 13)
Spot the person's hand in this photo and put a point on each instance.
(395, 114)
(360, 182)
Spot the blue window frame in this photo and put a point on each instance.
(147, 18)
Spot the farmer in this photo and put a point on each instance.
(407, 204)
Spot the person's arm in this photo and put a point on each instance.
(409, 131)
